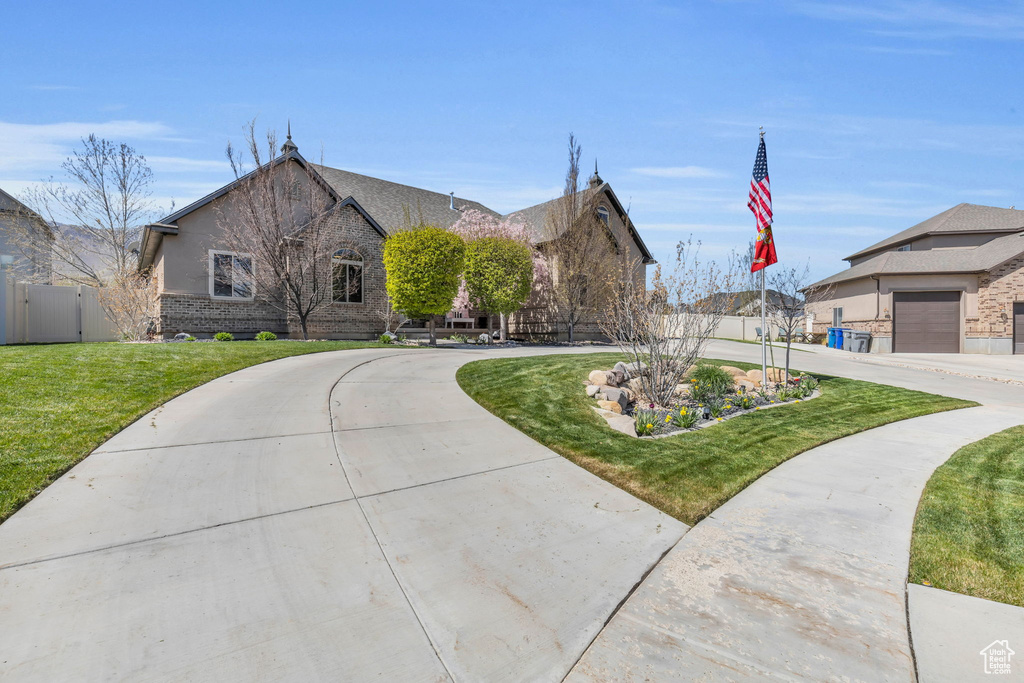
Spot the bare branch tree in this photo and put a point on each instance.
(787, 308)
(279, 222)
(581, 251)
(668, 327)
(96, 217)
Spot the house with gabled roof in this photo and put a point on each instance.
(196, 274)
(953, 283)
(24, 257)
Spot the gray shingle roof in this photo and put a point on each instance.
(973, 260)
(960, 218)
(387, 201)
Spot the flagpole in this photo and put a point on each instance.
(764, 337)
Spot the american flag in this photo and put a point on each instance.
(760, 203)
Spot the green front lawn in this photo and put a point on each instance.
(690, 474)
(58, 402)
(969, 530)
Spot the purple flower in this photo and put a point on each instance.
(652, 405)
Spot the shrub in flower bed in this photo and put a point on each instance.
(711, 394)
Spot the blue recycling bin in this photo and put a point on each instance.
(839, 337)
(831, 337)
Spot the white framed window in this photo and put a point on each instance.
(347, 272)
(230, 275)
(602, 213)
(905, 247)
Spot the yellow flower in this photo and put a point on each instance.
(650, 426)
(757, 408)
(720, 419)
(668, 418)
(682, 411)
(693, 381)
(798, 400)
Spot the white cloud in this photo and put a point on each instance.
(925, 19)
(43, 147)
(678, 172)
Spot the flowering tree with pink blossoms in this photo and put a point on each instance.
(474, 225)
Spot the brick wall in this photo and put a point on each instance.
(997, 292)
(201, 314)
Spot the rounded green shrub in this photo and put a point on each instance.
(266, 336)
(224, 336)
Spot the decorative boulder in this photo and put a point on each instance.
(182, 335)
(622, 369)
(746, 384)
(682, 390)
(755, 376)
(635, 385)
(776, 374)
(612, 394)
(615, 378)
(390, 335)
(610, 405)
(735, 372)
(636, 369)
(592, 390)
(598, 377)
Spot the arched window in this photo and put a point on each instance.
(347, 267)
(602, 213)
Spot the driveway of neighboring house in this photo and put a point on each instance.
(355, 516)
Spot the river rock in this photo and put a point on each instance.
(592, 390)
(610, 405)
(598, 377)
(735, 372)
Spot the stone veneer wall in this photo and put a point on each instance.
(200, 314)
(997, 291)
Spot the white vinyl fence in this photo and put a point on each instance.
(40, 314)
(745, 327)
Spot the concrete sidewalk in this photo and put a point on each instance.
(280, 524)
(800, 576)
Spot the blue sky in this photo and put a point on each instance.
(879, 114)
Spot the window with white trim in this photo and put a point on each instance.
(230, 275)
(905, 247)
(602, 213)
(347, 269)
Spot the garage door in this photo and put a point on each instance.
(926, 322)
(1018, 328)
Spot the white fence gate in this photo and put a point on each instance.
(40, 314)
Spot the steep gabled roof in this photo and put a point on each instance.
(387, 201)
(972, 260)
(535, 218)
(962, 218)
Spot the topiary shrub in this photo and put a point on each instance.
(708, 383)
(224, 336)
(266, 336)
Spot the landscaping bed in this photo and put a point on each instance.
(58, 402)
(689, 474)
(969, 530)
(709, 394)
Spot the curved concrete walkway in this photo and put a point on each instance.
(339, 516)
(802, 576)
(354, 516)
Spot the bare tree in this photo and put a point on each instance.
(93, 221)
(280, 219)
(787, 308)
(581, 251)
(668, 327)
(96, 217)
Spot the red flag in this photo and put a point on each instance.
(760, 202)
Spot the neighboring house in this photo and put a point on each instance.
(951, 284)
(748, 302)
(196, 275)
(27, 260)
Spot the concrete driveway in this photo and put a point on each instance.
(339, 516)
(354, 516)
